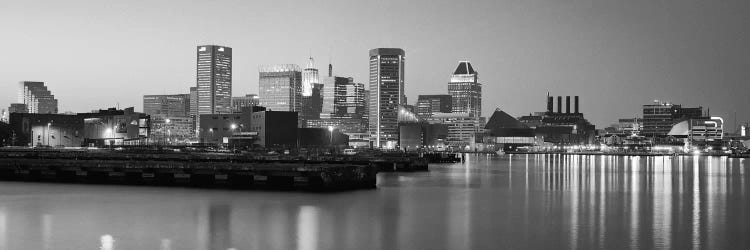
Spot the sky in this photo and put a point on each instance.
(616, 55)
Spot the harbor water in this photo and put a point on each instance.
(487, 202)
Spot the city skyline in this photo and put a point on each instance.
(617, 60)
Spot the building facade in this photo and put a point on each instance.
(276, 129)
(465, 90)
(659, 117)
(386, 95)
(214, 79)
(37, 98)
(429, 104)
(167, 105)
(462, 128)
(249, 100)
(280, 87)
(116, 127)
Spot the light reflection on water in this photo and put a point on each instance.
(514, 201)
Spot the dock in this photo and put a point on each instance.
(185, 169)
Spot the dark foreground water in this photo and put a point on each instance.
(520, 201)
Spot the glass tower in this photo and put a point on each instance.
(214, 78)
(465, 90)
(386, 94)
(280, 87)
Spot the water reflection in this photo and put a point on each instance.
(515, 201)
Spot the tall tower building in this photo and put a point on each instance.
(386, 94)
(465, 90)
(37, 98)
(309, 78)
(214, 78)
(280, 87)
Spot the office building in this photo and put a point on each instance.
(659, 117)
(37, 98)
(280, 87)
(465, 90)
(214, 79)
(349, 100)
(429, 104)
(386, 95)
(167, 105)
(249, 100)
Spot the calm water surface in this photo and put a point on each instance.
(519, 201)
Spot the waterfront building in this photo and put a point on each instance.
(699, 130)
(465, 90)
(280, 87)
(249, 100)
(171, 129)
(659, 117)
(116, 127)
(53, 130)
(37, 98)
(345, 125)
(177, 105)
(276, 129)
(429, 104)
(214, 79)
(561, 127)
(462, 128)
(386, 95)
(218, 129)
(322, 137)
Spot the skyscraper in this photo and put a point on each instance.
(386, 94)
(465, 90)
(37, 98)
(309, 78)
(214, 78)
(280, 87)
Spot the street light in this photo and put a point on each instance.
(330, 129)
(48, 127)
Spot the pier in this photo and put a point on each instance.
(185, 169)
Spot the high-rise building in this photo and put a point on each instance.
(249, 100)
(214, 78)
(330, 94)
(167, 105)
(350, 100)
(465, 90)
(312, 105)
(429, 104)
(37, 98)
(194, 108)
(280, 87)
(309, 78)
(386, 94)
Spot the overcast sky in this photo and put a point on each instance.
(616, 55)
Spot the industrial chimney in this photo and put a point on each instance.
(576, 105)
(550, 100)
(567, 104)
(559, 104)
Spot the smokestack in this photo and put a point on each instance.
(330, 70)
(550, 100)
(576, 105)
(559, 104)
(567, 104)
